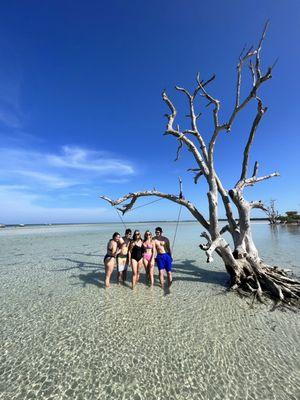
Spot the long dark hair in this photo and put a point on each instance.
(135, 234)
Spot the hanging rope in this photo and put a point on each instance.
(151, 202)
(120, 216)
(175, 234)
(143, 205)
(146, 204)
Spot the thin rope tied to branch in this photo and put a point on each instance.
(151, 202)
(176, 229)
(144, 205)
(120, 216)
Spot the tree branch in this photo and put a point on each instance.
(194, 131)
(257, 204)
(210, 247)
(225, 228)
(260, 112)
(197, 174)
(242, 59)
(257, 63)
(255, 169)
(176, 199)
(251, 181)
(178, 149)
(257, 80)
(180, 135)
(206, 236)
(211, 100)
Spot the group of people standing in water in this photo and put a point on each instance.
(138, 253)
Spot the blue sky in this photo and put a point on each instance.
(81, 111)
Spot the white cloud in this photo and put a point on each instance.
(52, 181)
(13, 187)
(117, 180)
(72, 166)
(21, 207)
(33, 183)
(87, 160)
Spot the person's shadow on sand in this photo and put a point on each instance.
(95, 276)
(92, 273)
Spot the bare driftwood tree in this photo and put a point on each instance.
(272, 213)
(248, 273)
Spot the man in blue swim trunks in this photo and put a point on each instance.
(164, 256)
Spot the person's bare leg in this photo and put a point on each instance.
(119, 277)
(139, 266)
(145, 263)
(151, 274)
(161, 277)
(170, 279)
(134, 273)
(109, 266)
(106, 270)
(124, 274)
(121, 265)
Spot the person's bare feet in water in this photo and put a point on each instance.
(170, 279)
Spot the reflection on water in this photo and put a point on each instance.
(63, 336)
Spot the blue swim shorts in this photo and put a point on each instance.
(164, 261)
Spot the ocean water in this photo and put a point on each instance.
(63, 336)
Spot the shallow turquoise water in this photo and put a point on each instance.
(63, 336)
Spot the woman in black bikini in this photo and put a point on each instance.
(110, 257)
(136, 257)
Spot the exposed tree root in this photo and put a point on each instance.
(263, 281)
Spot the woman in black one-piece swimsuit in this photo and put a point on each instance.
(136, 257)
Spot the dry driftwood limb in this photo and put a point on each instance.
(180, 135)
(257, 80)
(197, 174)
(260, 112)
(251, 181)
(176, 199)
(257, 204)
(255, 169)
(178, 149)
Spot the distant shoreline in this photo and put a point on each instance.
(113, 222)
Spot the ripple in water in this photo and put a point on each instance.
(64, 337)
